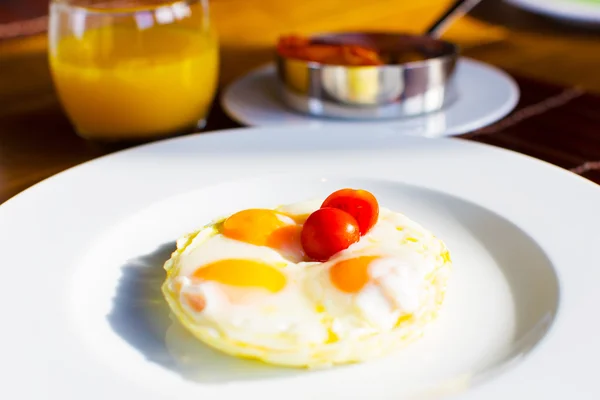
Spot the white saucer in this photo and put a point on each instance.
(486, 95)
(583, 11)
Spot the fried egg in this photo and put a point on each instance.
(243, 285)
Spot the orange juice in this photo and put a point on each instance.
(119, 82)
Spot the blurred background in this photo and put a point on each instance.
(558, 50)
(547, 41)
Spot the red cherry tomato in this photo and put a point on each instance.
(362, 205)
(327, 231)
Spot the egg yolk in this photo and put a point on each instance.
(254, 226)
(196, 302)
(285, 237)
(263, 227)
(244, 273)
(351, 275)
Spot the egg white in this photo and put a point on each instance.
(311, 322)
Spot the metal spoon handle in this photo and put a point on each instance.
(456, 10)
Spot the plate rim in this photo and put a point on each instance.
(195, 135)
(304, 120)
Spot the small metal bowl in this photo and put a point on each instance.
(416, 79)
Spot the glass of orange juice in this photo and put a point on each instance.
(133, 69)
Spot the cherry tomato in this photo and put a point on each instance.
(327, 231)
(362, 205)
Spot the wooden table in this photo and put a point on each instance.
(36, 140)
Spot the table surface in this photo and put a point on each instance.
(556, 64)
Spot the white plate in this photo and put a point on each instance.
(82, 252)
(486, 95)
(586, 11)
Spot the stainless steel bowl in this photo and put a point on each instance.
(400, 88)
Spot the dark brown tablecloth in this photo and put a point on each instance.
(553, 123)
(556, 124)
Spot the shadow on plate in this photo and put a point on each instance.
(141, 316)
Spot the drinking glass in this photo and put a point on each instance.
(134, 69)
